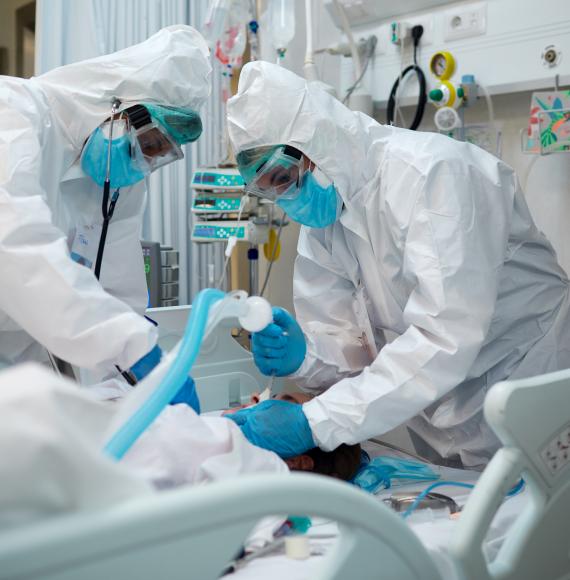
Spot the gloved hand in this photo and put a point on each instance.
(278, 426)
(279, 349)
(187, 394)
(145, 364)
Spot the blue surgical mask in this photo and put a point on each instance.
(316, 205)
(124, 170)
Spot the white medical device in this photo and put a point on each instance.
(221, 213)
(222, 231)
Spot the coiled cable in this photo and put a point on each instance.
(417, 32)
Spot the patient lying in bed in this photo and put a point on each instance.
(51, 441)
(342, 463)
(182, 447)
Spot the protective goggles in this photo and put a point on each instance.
(272, 172)
(157, 132)
(152, 146)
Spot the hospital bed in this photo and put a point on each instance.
(194, 532)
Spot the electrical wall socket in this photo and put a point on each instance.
(426, 20)
(465, 20)
(403, 28)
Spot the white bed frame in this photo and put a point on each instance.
(193, 533)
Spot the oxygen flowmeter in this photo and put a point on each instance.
(446, 97)
(447, 94)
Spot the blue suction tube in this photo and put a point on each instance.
(175, 377)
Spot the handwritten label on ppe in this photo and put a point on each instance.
(85, 245)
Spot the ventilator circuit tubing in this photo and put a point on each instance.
(517, 488)
(175, 377)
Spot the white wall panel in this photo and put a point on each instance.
(507, 58)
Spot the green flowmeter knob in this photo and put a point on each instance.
(460, 92)
(436, 95)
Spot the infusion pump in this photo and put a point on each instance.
(217, 203)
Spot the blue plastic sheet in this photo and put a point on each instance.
(385, 471)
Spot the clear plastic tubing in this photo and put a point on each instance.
(175, 377)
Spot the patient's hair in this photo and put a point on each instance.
(342, 463)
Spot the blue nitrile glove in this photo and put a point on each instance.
(187, 394)
(145, 364)
(279, 349)
(279, 426)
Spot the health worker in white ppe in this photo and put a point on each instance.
(76, 145)
(421, 279)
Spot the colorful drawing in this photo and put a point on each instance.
(549, 123)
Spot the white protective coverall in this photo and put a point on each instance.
(433, 285)
(45, 200)
(51, 458)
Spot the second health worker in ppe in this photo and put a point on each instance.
(54, 136)
(421, 279)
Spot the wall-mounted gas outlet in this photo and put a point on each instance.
(466, 20)
(551, 56)
(402, 29)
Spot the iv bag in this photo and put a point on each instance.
(231, 45)
(215, 23)
(281, 22)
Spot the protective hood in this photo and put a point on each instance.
(170, 68)
(275, 106)
(51, 458)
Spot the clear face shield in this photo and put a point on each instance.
(283, 175)
(273, 173)
(152, 146)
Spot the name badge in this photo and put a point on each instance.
(85, 245)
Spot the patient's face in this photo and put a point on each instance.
(341, 463)
(298, 398)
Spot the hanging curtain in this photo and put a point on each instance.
(73, 30)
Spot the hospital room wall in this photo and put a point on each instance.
(547, 188)
(8, 30)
